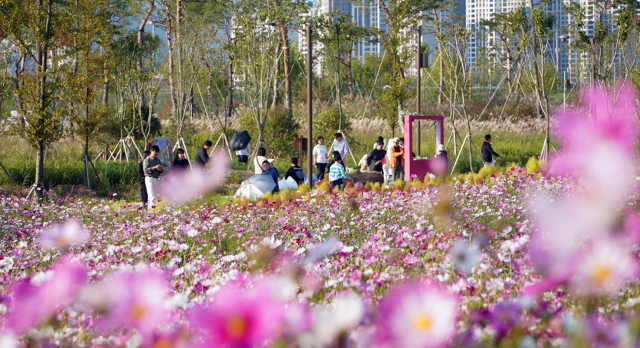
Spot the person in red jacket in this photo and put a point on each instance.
(397, 160)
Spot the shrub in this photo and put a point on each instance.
(327, 122)
(488, 171)
(279, 132)
(533, 165)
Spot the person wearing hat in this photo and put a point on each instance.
(397, 160)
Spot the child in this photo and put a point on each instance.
(336, 173)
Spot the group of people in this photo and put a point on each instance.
(151, 169)
(388, 162)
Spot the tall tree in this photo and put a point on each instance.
(40, 30)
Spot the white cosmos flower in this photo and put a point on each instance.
(465, 256)
(604, 268)
(340, 316)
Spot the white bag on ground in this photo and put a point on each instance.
(287, 184)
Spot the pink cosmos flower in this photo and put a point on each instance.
(63, 236)
(416, 315)
(186, 186)
(604, 268)
(132, 300)
(32, 304)
(599, 150)
(239, 318)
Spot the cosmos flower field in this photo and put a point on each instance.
(521, 259)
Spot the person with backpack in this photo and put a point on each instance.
(295, 172)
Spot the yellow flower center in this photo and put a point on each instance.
(62, 242)
(163, 343)
(236, 326)
(422, 322)
(138, 311)
(600, 274)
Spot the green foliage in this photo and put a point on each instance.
(487, 171)
(279, 132)
(327, 122)
(132, 118)
(113, 174)
(533, 165)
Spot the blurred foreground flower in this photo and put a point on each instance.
(416, 315)
(130, 300)
(574, 232)
(63, 236)
(188, 185)
(33, 304)
(334, 320)
(239, 318)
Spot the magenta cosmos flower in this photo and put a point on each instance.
(32, 304)
(239, 318)
(133, 300)
(416, 315)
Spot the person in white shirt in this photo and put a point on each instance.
(257, 162)
(340, 145)
(243, 155)
(320, 156)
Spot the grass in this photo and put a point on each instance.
(63, 160)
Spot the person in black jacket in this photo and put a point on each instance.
(295, 172)
(180, 163)
(143, 187)
(202, 157)
(488, 153)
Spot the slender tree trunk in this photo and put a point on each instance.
(440, 55)
(509, 71)
(352, 94)
(276, 79)
(180, 90)
(17, 84)
(230, 90)
(42, 49)
(288, 104)
(140, 37)
(171, 64)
